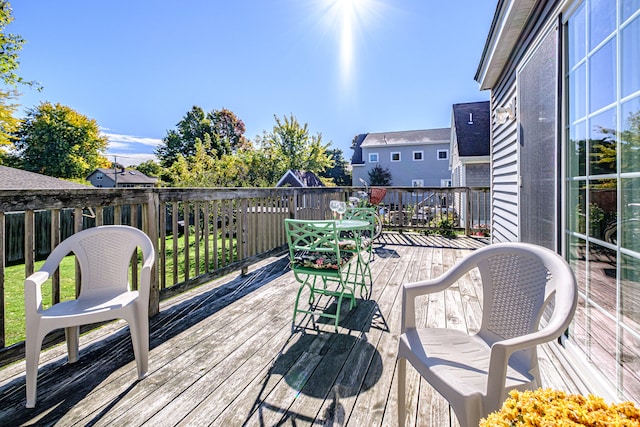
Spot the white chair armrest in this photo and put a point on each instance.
(501, 351)
(33, 291)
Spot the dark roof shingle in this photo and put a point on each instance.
(472, 123)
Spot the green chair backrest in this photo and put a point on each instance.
(314, 244)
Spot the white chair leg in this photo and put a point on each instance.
(32, 357)
(139, 328)
(402, 379)
(72, 335)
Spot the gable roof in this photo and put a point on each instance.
(356, 158)
(472, 125)
(407, 137)
(298, 178)
(126, 176)
(18, 179)
(509, 20)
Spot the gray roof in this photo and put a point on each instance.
(472, 123)
(297, 178)
(408, 137)
(18, 179)
(126, 176)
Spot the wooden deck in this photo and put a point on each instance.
(225, 355)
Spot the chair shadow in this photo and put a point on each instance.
(318, 363)
(62, 385)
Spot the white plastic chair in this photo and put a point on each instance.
(476, 372)
(104, 254)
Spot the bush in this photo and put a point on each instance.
(445, 225)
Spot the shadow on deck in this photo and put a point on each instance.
(225, 354)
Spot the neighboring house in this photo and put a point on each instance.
(415, 158)
(470, 137)
(565, 97)
(18, 179)
(298, 178)
(120, 178)
(470, 155)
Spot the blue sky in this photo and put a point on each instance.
(344, 67)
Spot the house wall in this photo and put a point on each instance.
(505, 171)
(477, 175)
(605, 328)
(98, 179)
(431, 169)
(456, 166)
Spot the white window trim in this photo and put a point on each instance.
(442, 158)
(377, 157)
(421, 156)
(399, 156)
(417, 182)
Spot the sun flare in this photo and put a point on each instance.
(348, 17)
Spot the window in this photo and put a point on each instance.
(445, 183)
(602, 184)
(373, 157)
(418, 156)
(395, 157)
(417, 182)
(443, 154)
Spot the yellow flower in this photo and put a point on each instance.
(555, 408)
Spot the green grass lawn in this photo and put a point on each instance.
(15, 275)
(14, 296)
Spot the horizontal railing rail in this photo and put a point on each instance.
(199, 233)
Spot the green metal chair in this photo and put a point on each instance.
(319, 265)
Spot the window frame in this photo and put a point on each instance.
(446, 154)
(399, 156)
(377, 158)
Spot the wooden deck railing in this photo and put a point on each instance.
(199, 233)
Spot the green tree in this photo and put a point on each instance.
(220, 132)
(379, 176)
(10, 46)
(150, 168)
(56, 140)
(295, 148)
(339, 172)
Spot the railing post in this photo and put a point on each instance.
(151, 222)
(293, 205)
(467, 216)
(29, 249)
(2, 287)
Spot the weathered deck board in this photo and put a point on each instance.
(225, 354)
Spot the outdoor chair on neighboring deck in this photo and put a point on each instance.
(104, 255)
(319, 265)
(529, 298)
